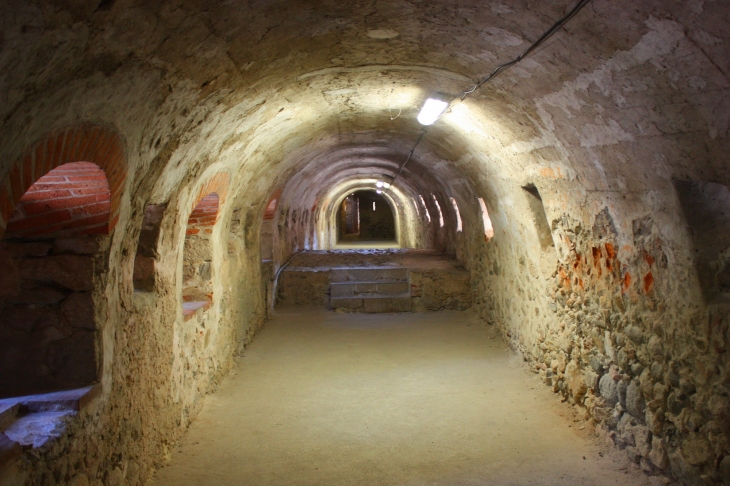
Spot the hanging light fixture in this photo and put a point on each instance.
(432, 109)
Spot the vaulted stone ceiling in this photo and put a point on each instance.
(320, 97)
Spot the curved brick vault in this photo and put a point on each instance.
(86, 143)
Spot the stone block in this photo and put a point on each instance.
(27, 318)
(684, 471)
(347, 303)
(197, 249)
(575, 380)
(32, 249)
(78, 310)
(342, 290)
(642, 438)
(393, 288)
(635, 403)
(658, 455)
(144, 273)
(74, 359)
(76, 245)
(70, 271)
(401, 304)
(9, 275)
(39, 295)
(608, 389)
(378, 305)
(366, 288)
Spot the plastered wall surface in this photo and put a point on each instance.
(622, 309)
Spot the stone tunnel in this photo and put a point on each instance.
(235, 252)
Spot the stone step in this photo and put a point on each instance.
(373, 303)
(368, 274)
(356, 289)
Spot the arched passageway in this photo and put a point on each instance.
(366, 218)
(574, 206)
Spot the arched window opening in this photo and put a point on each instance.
(539, 217)
(270, 209)
(197, 290)
(146, 257)
(486, 220)
(51, 255)
(428, 213)
(458, 215)
(266, 242)
(706, 206)
(366, 217)
(438, 209)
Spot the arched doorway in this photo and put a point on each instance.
(51, 254)
(366, 217)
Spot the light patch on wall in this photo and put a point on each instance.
(458, 215)
(373, 205)
(382, 33)
(438, 208)
(488, 228)
(415, 205)
(428, 215)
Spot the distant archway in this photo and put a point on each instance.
(366, 216)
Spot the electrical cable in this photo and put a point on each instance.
(549, 33)
(502, 67)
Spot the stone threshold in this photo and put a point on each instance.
(31, 421)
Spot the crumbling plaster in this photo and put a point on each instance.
(625, 99)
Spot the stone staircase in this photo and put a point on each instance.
(370, 289)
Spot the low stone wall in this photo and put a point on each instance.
(440, 290)
(430, 290)
(303, 287)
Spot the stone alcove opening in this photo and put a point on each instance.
(197, 289)
(486, 220)
(706, 206)
(52, 255)
(457, 213)
(266, 241)
(542, 226)
(366, 216)
(146, 258)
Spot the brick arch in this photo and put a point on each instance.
(218, 185)
(204, 215)
(270, 210)
(85, 143)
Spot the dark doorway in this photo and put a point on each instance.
(366, 216)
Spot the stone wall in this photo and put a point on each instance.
(48, 317)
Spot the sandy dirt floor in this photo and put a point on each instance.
(321, 398)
